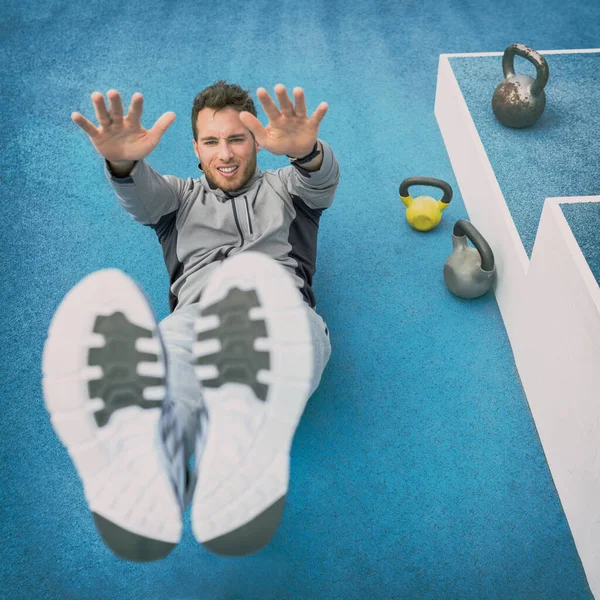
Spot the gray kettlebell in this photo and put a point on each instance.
(520, 100)
(469, 271)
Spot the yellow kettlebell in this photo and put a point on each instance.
(424, 213)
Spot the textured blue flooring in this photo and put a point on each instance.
(584, 220)
(417, 472)
(558, 156)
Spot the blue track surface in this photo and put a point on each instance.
(558, 156)
(584, 220)
(417, 472)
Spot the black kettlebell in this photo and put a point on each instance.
(520, 100)
(469, 272)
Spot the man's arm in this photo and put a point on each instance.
(317, 186)
(143, 192)
(291, 132)
(124, 144)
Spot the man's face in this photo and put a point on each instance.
(225, 142)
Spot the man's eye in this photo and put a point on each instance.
(237, 139)
(209, 142)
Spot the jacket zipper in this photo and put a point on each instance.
(237, 222)
(248, 213)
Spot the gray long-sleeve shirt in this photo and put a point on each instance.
(277, 213)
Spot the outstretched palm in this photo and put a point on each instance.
(121, 137)
(289, 130)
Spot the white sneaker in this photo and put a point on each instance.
(254, 360)
(104, 379)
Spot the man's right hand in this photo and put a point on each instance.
(119, 138)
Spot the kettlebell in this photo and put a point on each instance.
(520, 100)
(469, 271)
(424, 213)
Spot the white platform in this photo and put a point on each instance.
(551, 309)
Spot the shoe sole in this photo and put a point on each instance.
(104, 383)
(254, 360)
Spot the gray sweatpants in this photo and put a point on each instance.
(177, 331)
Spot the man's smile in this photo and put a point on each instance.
(228, 171)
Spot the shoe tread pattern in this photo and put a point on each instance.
(121, 385)
(237, 361)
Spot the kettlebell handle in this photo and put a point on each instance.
(462, 228)
(539, 62)
(430, 181)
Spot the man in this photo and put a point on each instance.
(226, 376)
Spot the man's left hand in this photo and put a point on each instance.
(289, 131)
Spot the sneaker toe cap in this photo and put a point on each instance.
(252, 536)
(130, 546)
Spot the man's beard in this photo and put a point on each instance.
(232, 186)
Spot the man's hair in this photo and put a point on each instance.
(221, 95)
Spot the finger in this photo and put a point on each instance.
(287, 108)
(320, 113)
(268, 105)
(86, 125)
(116, 107)
(162, 124)
(101, 112)
(134, 114)
(254, 125)
(300, 102)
